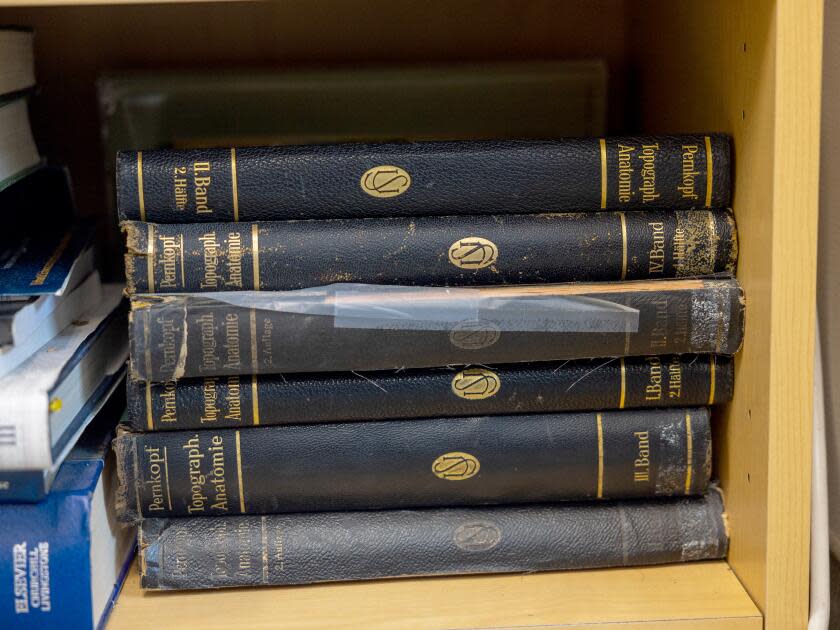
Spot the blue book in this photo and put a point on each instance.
(42, 241)
(64, 560)
(39, 262)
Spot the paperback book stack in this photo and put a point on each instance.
(364, 361)
(63, 349)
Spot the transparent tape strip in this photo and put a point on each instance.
(431, 308)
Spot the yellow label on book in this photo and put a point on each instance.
(473, 252)
(455, 466)
(476, 384)
(385, 181)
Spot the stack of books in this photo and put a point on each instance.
(63, 349)
(365, 361)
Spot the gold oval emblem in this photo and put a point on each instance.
(385, 181)
(476, 384)
(477, 536)
(474, 334)
(455, 466)
(473, 252)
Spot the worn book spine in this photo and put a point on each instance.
(237, 401)
(432, 251)
(363, 328)
(305, 548)
(425, 178)
(522, 458)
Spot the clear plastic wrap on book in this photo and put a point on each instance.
(367, 327)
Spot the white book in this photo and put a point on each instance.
(17, 60)
(48, 318)
(45, 402)
(18, 153)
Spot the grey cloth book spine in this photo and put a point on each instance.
(203, 553)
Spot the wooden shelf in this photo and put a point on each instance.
(694, 596)
(751, 68)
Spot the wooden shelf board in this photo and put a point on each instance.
(687, 597)
(73, 3)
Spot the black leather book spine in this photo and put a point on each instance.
(427, 178)
(432, 251)
(393, 464)
(177, 336)
(203, 553)
(238, 401)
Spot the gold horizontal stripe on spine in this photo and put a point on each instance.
(600, 456)
(140, 195)
(141, 551)
(136, 478)
(149, 420)
(623, 245)
(166, 473)
(150, 258)
(627, 334)
(183, 275)
(709, 172)
(255, 399)
(713, 241)
(255, 403)
(234, 184)
(264, 542)
(239, 475)
(689, 448)
(623, 384)
(712, 381)
(603, 144)
(255, 248)
(147, 353)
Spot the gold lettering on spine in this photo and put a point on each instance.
(140, 194)
(255, 248)
(623, 384)
(712, 380)
(166, 473)
(239, 475)
(234, 184)
(689, 448)
(600, 456)
(603, 144)
(623, 245)
(709, 172)
(150, 258)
